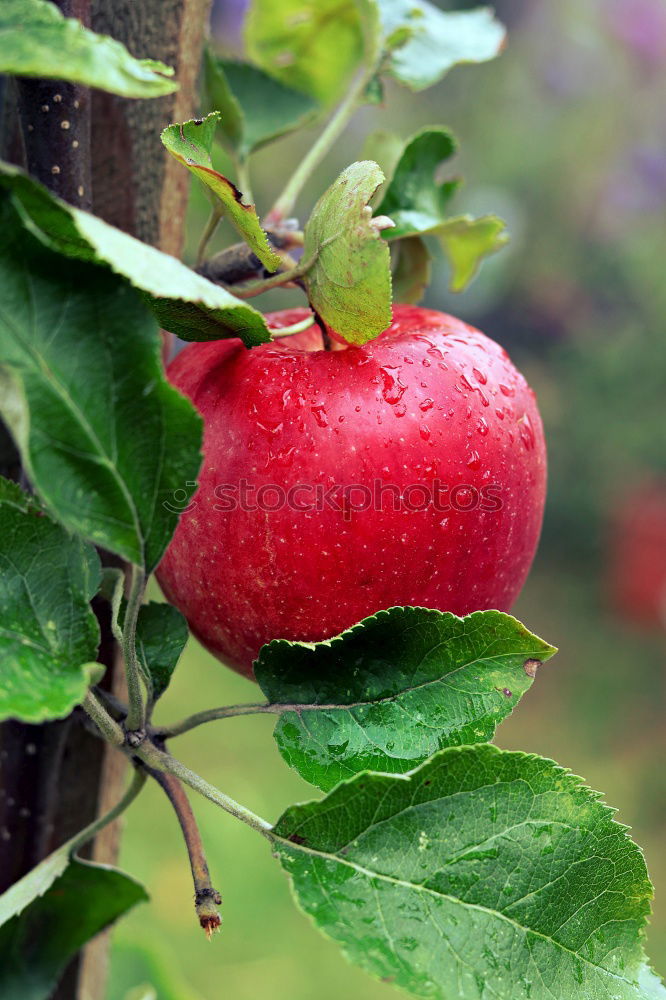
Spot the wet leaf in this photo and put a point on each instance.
(104, 439)
(48, 632)
(392, 690)
(183, 301)
(484, 873)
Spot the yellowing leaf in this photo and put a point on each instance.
(191, 143)
(349, 283)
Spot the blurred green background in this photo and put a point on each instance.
(565, 137)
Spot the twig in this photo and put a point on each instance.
(206, 898)
(216, 214)
(238, 263)
(109, 728)
(212, 715)
(91, 831)
(136, 714)
(159, 760)
(336, 125)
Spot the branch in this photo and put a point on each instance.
(108, 727)
(336, 125)
(136, 715)
(238, 263)
(91, 831)
(159, 760)
(55, 121)
(206, 898)
(212, 715)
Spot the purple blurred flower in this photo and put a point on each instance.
(636, 186)
(641, 25)
(226, 22)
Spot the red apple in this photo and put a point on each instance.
(637, 570)
(430, 421)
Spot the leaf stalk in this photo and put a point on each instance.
(136, 714)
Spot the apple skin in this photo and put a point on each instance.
(637, 556)
(431, 400)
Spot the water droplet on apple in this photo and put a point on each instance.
(319, 413)
(480, 376)
(482, 426)
(526, 432)
(394, 388)
(507, 390)
(425, 432)
(400, 410)
(500, 414)
(426, 404)
(474, 460)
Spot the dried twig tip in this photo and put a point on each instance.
(206, 904)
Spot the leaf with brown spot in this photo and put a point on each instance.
(191, 143)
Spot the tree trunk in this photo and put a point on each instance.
(55, 778)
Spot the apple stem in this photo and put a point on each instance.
(206, 898)
(325, 335)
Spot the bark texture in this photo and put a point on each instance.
(55, 778)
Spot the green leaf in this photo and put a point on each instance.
(161, 634)
(418, 204)
(349, 283)
(466, 241)
(413, 199)
(385, 148)
(183, 301)
(391, 691)
(438, 40)
(191, 144)
(255, 108)
(48, 633)
(651, 985)
(38, 41)
(311, 45)
(484, 873)
(411, 270)
(76, 904)
(104, 438)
